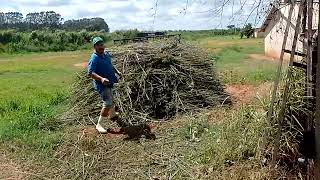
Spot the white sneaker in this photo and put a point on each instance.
(100, 129)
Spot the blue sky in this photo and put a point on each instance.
(140, 14)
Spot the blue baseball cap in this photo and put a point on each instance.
(96, 40)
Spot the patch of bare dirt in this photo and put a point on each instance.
(261, 57)
(241, 94)
(84, 64)
(9, 170)
(244, 94)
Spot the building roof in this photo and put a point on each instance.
(273, 11)
(269, 17)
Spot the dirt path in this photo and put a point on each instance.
(245, 94)
(83, 65)
(9, 170)
(262, 57)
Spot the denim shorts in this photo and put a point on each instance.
(107, 97)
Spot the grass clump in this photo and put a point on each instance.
(294, 134)
(234, 139)
(24, 121)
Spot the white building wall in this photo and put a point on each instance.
(275, 31)
(258, 33)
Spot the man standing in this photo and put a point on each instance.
(103, 73)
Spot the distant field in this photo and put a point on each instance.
(240, 61)
(218, 43)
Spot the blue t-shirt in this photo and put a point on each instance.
(102, 65)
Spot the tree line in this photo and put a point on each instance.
(13, 41)
(49, 20)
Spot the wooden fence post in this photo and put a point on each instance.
(317, 114)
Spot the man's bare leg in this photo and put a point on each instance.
(105, 111)
(104, 116)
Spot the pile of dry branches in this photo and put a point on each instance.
(160, 79)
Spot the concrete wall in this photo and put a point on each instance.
(275, 31)
(258, 33)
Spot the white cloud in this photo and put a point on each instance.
(130, 14)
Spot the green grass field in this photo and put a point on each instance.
(35, 87)
(237, 61)
(33, 90)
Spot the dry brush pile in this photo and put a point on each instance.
(160, 79)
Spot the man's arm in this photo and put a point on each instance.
(95, 76)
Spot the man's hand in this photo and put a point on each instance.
(96, 77)
(104, 81)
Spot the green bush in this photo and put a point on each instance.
(54, 40)
(2, 48)
(247, 31)
(36, 41)
(13, 41)
(196, 35)
(6, 37)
